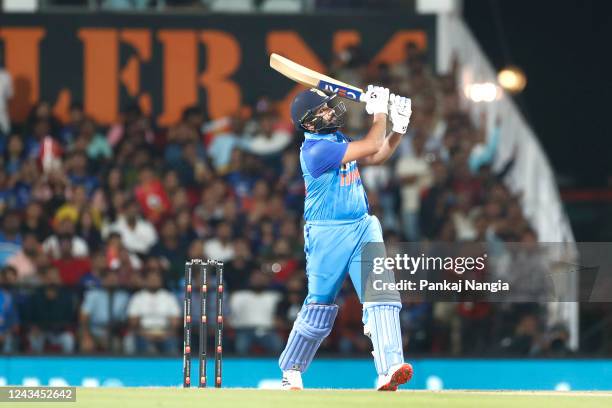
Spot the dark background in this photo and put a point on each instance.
(61, 50)
(565, 48)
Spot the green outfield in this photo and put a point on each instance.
(248, 398)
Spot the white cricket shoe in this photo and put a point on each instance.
(397, 375)
(292, 380)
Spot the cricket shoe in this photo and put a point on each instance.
(292, 380)
(398, 375)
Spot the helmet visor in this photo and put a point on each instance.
(328, 116)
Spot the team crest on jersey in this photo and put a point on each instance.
(349, 174)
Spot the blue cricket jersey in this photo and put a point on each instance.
(333, 190)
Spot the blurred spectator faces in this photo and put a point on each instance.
(153, 280)
(8, 276)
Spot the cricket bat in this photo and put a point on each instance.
(314, 79)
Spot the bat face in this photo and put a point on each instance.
(308, 77)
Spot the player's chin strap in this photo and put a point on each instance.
(381, 324)
(312, 326)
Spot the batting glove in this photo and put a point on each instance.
(400, 111)
(377, 100)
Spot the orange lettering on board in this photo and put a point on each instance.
(344, 39)
(100, 76)
(395, 49)
(140, 39)
(22, 60)
(61, 109)
(222, 60)
(179, 73)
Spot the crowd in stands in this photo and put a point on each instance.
(97, 223)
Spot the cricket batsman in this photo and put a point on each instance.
(337, 226)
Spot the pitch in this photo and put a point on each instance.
(251, 398)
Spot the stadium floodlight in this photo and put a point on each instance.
(482, 92)
(512, 79)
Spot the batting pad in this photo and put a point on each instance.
(381, 324)
(312, 326)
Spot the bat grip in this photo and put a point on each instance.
(362, 99)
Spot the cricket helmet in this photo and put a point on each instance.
(304, 111)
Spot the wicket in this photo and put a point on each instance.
(202, 353)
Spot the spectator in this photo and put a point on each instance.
(137, 234)
(76, 167)
(222, 145)
(193, 117)
(221, 246)
(240, 177)
(187, 131)
(51, 316)
(151, 195)
(192, 167)
(483, 151)
(43, 112)
(171, 182)
(238, 270)
(5, 191)
(281, 262)
(256, 203)
(71, 269)
(435, 201)
(10, 237)
(14, 156)
(134, 129)
(69, 132)
(34, 221)
(113, 190)
(416, 318)
(65, 228)
(74, 206)
(525, 338)
(289, 306)
(154, 316)
(557, 342)
(93, 277)
(88, 227)
(414, 176)
(24, 261)
(271, 137)
(9, 319)
(93, 143)
(253, 316)
(184, 223)
(103, 314)
(41, 128)
(170, 250)
(127, 264)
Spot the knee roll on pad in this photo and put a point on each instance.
(312, 326)
(382, 325)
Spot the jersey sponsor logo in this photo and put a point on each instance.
(349, 174)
